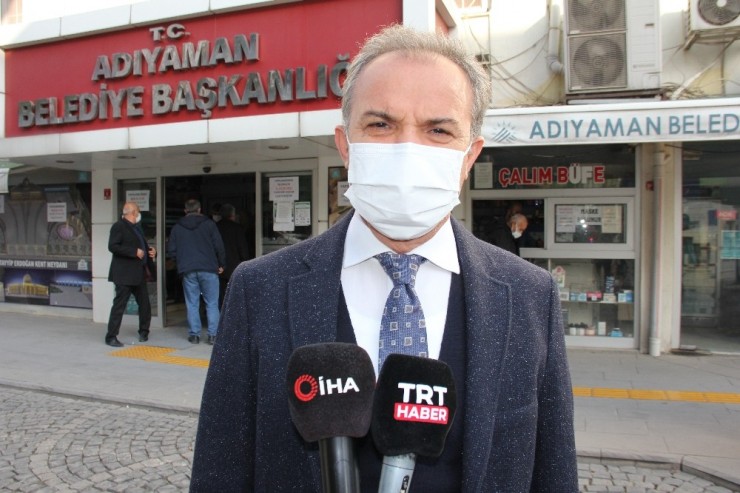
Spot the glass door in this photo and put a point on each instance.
(287, 209)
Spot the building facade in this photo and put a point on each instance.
(614, 128)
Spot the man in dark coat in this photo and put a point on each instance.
(413, 106)
(235, 243)
(133, 262)
(196, 246)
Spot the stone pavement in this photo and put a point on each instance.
(76, 415)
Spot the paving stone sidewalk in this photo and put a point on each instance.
(52, 443)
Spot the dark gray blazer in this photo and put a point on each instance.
(125, 267)
(518, 429)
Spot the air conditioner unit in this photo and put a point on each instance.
(612, 46)
(705, 15)
(712, 21)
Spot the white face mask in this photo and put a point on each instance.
(404, 190)
(516, 234)
(138, 218)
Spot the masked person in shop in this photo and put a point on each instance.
(508, 236)
(413, 107)
(130, 269)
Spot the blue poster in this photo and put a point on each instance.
(730, 245)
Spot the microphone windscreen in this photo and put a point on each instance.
(330, 390)
(414, 406)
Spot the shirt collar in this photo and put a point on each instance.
(361, 244)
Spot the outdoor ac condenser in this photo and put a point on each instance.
(612, 46)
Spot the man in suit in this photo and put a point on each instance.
(132, 263)
(235, 243)
(413, 107)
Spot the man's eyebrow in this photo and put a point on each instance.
(377, 114)
(432, 121)
(443, 121)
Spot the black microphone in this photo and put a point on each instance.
(330, 395)
(415, 404)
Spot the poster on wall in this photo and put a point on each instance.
(56, 212)
(4, 172)
(730, 245)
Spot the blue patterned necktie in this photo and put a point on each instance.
(402, 328)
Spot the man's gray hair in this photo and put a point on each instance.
(192, 205)
(408, 40)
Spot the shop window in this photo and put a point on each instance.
(592, 224)
(710, 288)
(490, 220)
(596, 295)
(286, 209)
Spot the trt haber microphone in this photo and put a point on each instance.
(414, 406)
(330, 395)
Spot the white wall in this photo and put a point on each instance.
(516, 38)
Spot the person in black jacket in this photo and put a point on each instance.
(234, 237)
(507, 236)
(132, 264)
(198, 249)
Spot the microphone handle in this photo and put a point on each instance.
(395, 477)
(339, 470)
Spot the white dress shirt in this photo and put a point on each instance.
(366, 285)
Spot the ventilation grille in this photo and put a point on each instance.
(596, 15)
(719, 13)
(598, 62)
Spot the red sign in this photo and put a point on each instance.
(287, 58)
(727, 215)
(575, 174)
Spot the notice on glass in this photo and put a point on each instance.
(730, 245)
(302, 212)
(283, 189)
(56, 212)
(342, 188)
(140, 198)
(483, 175)
(611, 219)
(565, 219)
(4, 172)
(282, 216)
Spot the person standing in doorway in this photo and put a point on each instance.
(234, 237)
(130, 268)
(198, 250)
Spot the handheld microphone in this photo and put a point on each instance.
(415, 404)
(330, 395)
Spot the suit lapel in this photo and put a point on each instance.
(488, 334)
(313, 294)
(313, 297)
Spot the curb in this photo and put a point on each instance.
(704, 467)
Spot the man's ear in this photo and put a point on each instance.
(341, 141)
(469, 160)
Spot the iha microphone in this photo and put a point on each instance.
(330, 394)
(415, 403)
